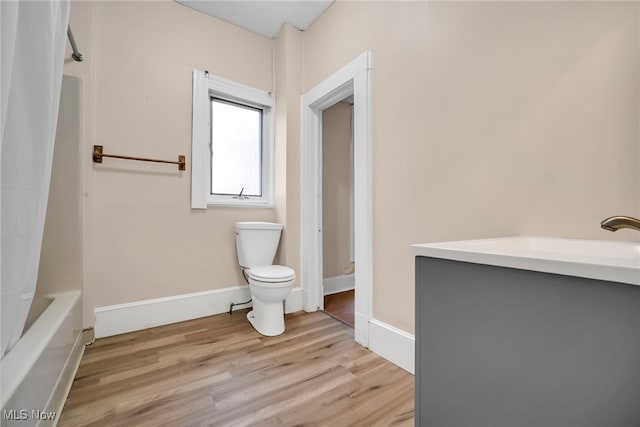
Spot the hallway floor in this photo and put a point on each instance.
(218, 371)
(340, 306)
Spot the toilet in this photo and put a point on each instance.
(256, 246)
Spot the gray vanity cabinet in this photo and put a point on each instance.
(500, 346)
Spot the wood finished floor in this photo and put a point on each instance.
(218, 371)
(340, 306)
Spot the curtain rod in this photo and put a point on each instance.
(75, 55)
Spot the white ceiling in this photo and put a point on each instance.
(262, 16)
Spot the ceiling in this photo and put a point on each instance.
(262, 16)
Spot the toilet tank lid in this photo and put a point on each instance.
(258, 225)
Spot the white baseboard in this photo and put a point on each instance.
(361, 334)
(134, 316)
(395, 345)
(293, 302)
(333, 285)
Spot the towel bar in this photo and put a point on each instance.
(98, 155)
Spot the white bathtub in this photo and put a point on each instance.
(593, 259)
(38, 371)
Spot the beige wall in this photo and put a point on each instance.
(337, 167)
(142, 239)
(288, 88)
(60, 268)
(82, 22)
(489, 119)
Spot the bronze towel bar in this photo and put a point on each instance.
(98, 155)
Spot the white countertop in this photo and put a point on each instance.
(593, 259)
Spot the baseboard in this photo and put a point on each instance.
(135, 316)
(333, 285)
(395, 345)
(361, 334)
(293, 302)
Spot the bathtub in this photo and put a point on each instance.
(38, 371)
(592, 259)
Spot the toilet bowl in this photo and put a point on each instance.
(270, 285)
(256, 245)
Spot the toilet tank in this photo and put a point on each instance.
(257, 242)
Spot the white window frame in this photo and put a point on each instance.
(206, 86)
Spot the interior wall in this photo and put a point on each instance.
(142, 239)
(288, 89)
(489, 119)
(337, 169)
(60, 268)
(82, 22)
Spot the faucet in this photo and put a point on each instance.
(615, 223)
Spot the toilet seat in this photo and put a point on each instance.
(271, 273)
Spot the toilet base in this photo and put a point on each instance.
(267, 319)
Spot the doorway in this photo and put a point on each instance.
(337, 211)
(351, 80)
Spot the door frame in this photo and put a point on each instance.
(352, 79)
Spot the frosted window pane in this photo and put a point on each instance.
(236, 152)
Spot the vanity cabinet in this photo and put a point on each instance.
(498, 346)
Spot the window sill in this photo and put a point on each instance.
(228, 203)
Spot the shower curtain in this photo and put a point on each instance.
(33, 46)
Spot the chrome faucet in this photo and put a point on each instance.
(615, 223)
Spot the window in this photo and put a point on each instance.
(236, 149)
(232, 145)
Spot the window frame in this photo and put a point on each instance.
(244, 105)
(206, 87)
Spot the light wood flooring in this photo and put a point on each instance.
(340, 306)
(218, 371)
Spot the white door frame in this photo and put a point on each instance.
(352, 79)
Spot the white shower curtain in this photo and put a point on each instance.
(33, 45)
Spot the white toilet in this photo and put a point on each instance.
(256, 245)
